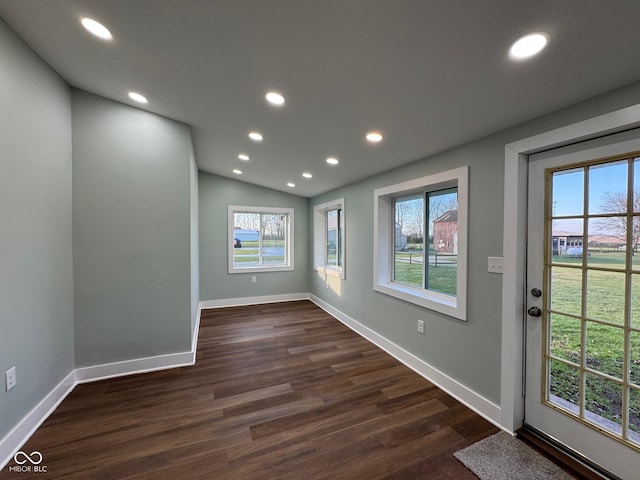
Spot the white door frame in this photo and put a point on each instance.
(516, 156)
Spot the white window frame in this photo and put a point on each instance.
(383, 242)
(320, 238)
(288, 265)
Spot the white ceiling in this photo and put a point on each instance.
(429, 74)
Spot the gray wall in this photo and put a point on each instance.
(216, 194)
(36, 286)
(131, 232)
(468, 351)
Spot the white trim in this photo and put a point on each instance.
(194, 338)
(22, 432)
(133, 367)
(483, 407)
(609, 123)
(18, 436)
(289, 241)
(242, 301)
(384, 245)
(514, 244)
(320, 238)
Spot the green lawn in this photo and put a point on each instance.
(254, 259)
(409, 269)
(605, 302)
(248, 254)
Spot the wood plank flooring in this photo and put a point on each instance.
(279, 391)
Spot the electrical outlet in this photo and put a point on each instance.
(421, 326)
(10, 377)
(253, 279)
(496, 265)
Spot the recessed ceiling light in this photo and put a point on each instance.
(275, 98)
(528, 46)
(333, 161)
(291, 184)
(255, 136)
(138, 98)
(237, 172)
(374, 137)
(307, 175)
(244, 156)
(96, 28)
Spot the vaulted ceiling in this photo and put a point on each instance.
(427, 74)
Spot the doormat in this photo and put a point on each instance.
(503, 457)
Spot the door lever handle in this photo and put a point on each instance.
(534, 311)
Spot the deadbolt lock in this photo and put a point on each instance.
(534, 311)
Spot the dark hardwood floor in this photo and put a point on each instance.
(279, 391)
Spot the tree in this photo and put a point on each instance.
(246, 221)
(616, 202)
(409, 215)
(273, 226)
(410, 212)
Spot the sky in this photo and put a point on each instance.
(568, 187)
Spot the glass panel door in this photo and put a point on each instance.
(588, 268)
(583, 291)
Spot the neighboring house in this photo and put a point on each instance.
(246, 235)
(445, 232)
(562, 240)
(606, 241)
(400, 239)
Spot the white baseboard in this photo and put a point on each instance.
(238, 302)
(132, 367)
(18, 436)
(194, 338)
(463, 394)
(142, 365)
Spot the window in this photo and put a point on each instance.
(329, 238)
(260, 239)
(420, 241)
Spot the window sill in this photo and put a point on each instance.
(255, 269)
(423, 298)
(330, 270)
